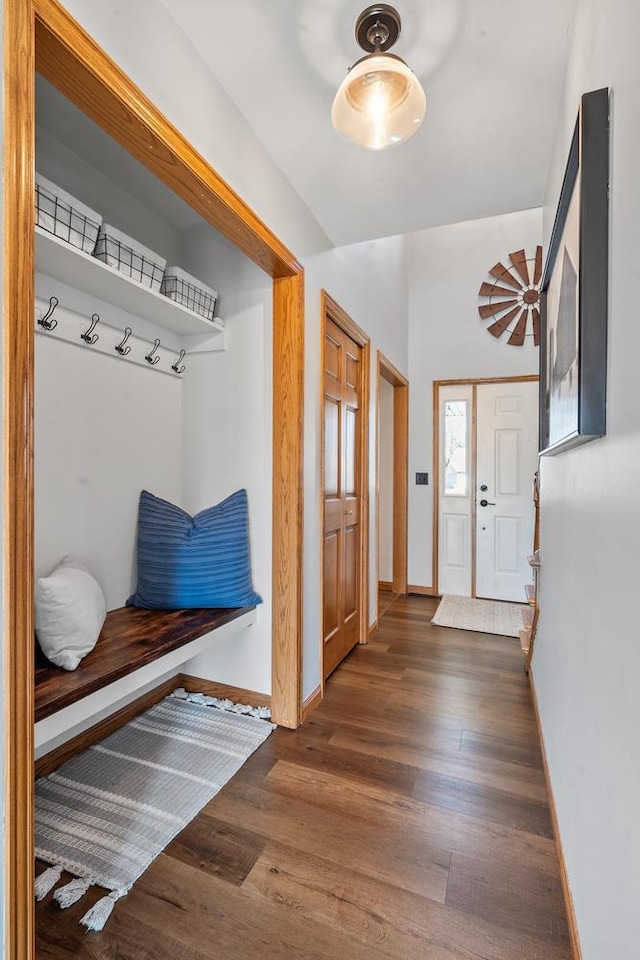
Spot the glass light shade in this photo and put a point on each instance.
(379, 103)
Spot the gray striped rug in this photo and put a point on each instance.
(105, 815)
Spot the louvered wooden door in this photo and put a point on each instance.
(342, 467)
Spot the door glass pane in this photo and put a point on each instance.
(456, 448)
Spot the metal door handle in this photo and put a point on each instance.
(349, 512)
(485, 503)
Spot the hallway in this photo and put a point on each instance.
(407, 819)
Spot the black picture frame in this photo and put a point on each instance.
(574, 296)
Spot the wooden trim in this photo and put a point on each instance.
(288, 486)
(473, 478)
(222, 690)
(400, 487)
(422, 591)
(390, 373)
(526, 378)
(373, 629)
(330, 309)
(435, 476)
(321, 460)
(377, 490)
(400, 384)
(18, 364)
(55, 758)
(71, 60)
(385, 585)
(313, 700)
(574, 937)
(68, 57)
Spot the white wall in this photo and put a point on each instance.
(447, 340)
(385, 483)
(105, 430)
(147, 44)
(587, 656)
(120, 208)
(226, 443)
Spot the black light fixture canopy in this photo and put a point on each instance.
(378, 27)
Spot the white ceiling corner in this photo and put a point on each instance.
(492, 71)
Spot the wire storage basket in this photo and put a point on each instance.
(180, 286)
(129, 257)
(61, 214)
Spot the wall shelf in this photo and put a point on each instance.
(65, 263)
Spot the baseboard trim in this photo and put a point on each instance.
(373, 629)
(422, 591)
(574, 937)
(309, 705)
(56, 757)
(385, 585)
(223, 690)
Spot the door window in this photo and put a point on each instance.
(456, 448)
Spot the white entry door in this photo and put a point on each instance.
(506, 460)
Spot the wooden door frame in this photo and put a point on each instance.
(330, 309)
(472, 382)
(386, 371)
(40, 34)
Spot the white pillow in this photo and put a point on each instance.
(70, 611)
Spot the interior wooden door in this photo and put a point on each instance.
(342, 508)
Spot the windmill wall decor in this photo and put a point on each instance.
(512, 299)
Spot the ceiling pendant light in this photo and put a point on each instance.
(380, 102)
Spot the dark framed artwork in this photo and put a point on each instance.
(574, 290)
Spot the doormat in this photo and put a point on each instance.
(481, 616)
(105, 815)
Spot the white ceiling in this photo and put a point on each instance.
(492, 72)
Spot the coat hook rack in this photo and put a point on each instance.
(152, 357)
(89, 336)
(176, 366)
(46, 322)
(122, 348)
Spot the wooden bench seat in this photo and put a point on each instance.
(130, 639)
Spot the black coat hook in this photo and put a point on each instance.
(151, 357)
(89, 336)
(176, 366)
(121, 347)
(46, 322)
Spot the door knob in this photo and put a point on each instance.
(485, 503)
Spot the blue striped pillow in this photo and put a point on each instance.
(201, 561)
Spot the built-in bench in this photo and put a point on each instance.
(130, 639)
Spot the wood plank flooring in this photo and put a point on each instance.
(407, 820)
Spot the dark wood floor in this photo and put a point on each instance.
(407, 819)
